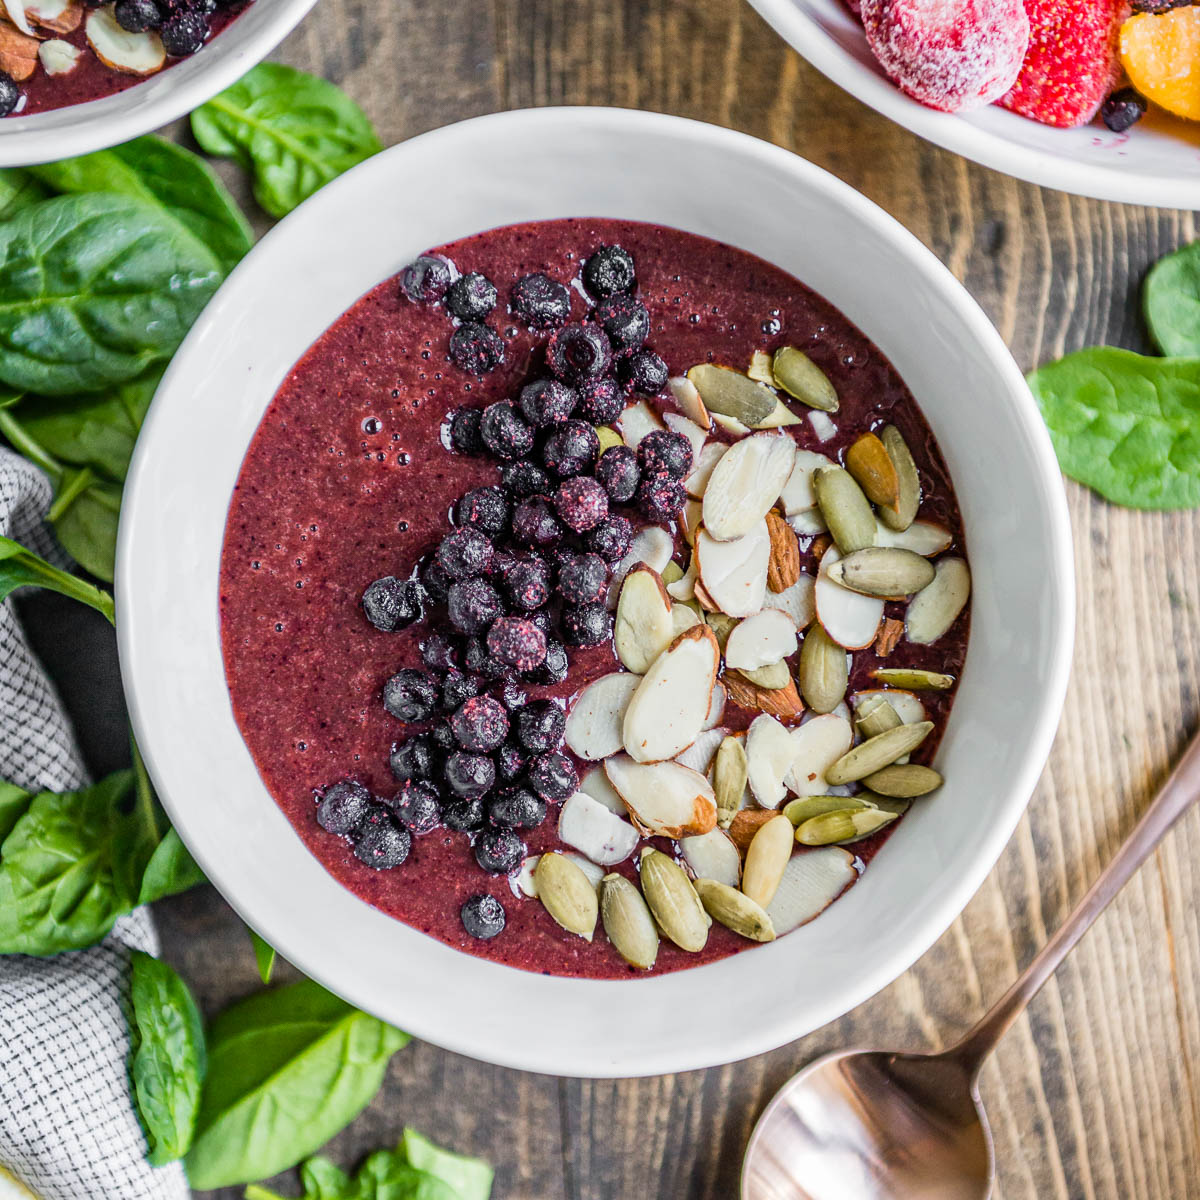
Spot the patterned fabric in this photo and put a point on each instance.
(67, 1124)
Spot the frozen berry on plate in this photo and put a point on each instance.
(581, 503)
(586, 625)
(510, 760)
(478, 661)
(626, 321)
(465, 431)
(643, 372)
(516, 808)
(439, 652)
(618, 473)
(504, 431)
(137, 16)
(660, 498)
(471, 297)
(578, 352)
(483, 508)
(481, 724)
(418, 807)
(464, 553)
(472, 605)
(10, 94)
(582, 579)
(534, 522)
(553, 776)
(663, 452)
(610, 539)
(426, 278)
(516, 643)
(540, 726)
(456, 690)
(412, 759)
(608, 271)
(410, 695)
(465, 815)
(1122, 110)
(499, 851)
(554, 669)
(483, 916)
(600, 400)
(184, 34)
(571, 449)
(390, 603)
(541, 302)
(476, 348)
(469, 775)
(343, 807)
(383, 845)
(527, 584)
(546, 402)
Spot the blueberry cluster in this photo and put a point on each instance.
(183, 25)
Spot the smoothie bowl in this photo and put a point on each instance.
(572, 610)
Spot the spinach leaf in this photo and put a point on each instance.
(1171, 301)
(171, 870)
(288, 1068)
(264, 955)
(166, 175)
(1126, 425)
(18, 190)
(167, 1057)
(84, 516)
(295, 132)
(22, 568)
(471, 1178)
(14, 804)
(95, 289)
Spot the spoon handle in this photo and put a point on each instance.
(1181, 788)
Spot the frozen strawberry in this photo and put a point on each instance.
(1072, 61)
(1162, 57)
(949, 54)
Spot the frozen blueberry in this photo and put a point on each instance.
(343, 807)
(481, 724)
(410, 695)
(434, 579)
(600, 400)
(472, 605)
(426, 278)
(383, 845)
(412, 759)
(1122, 110)
(571, 449)
(540, 726)
(418, 807)
(137, 15)
(610, 539)
(516, 808)
(581, 503)
(480, 662)
(527, 584)
(522, 479)
(504, 431)
(625, 320)
(471, 297)
(554, 669)
(578, 352)
(390, 603)
(483, 508)
(464, 816)
(587, 625)
(541, 618)
(465, 431)
(470, 775)
(476, 348)
(660, 497)
(547, 402)
(182, 35)
(439, 652)
(663, 451)
(618, 473)
(517, 643)
(10, 94)
(510, 761)
(483, 916)
(457, 689)
(643, 372)
(582, 579)
(608, 271)
(441, 739)
(541, 302)
(534, 522)
(511, 695)
(498, 851)
(553, 776)
(464, 553)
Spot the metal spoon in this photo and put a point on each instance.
(876, 1125)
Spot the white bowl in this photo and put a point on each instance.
(157, 100)
(1157, 162)
(545, 163)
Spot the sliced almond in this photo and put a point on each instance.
(730, 425)
(780, 416)
(712, 855)
(921, 537)
(817, 745)
(690, 517)
(636, 421)
(767, 859)
(702, 468)
(700, 754)
(130, 53)
(15, 11)
(812, 881)
(643, 628)
(668, 709)
(868, 461)
(808, 523)
(58, 57)
(733, 574)
(766, 637)
(664, 799)
(798, 494)
(936, 607)
(746, 823)
(58, 16)
(850, 618)
(652, 545)
(684, 588)
(595, 784)
(745, 484)
(683, 616)
(783, 567)
(884, 571)
(595, 831)
(888, 637)
(678, 423)
(782, 703)
(823, 425)
(732, 394)
(769, 754)
(716, 706)
(18, 53)
(687, 398)
(797, 601)
(597, 716)
(706, 602)
(908, 706)
(760, 368)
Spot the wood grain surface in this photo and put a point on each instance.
(1097, 1092)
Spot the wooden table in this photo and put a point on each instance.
(1097, 1093)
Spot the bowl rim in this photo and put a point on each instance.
(156, 100)
(750, 1038)
(948, 130)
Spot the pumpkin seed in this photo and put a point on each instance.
(872, 467)
(722, 626)
(831, 828)
(567, 894)
(628, 922)
(671, 573)
(889, 804)
(905, 781)
(766, 860)
(799, 376)
(608, 436)
(772, 677)
(804, 808)
(935, 607)
(876, 716)
(760, 368)
(913, 679)
(822, 673)
(732, 394)
(735, 910)
(729, 780)
(673, 901)
(846, 510)
(900, 516)
(878, 752)
(884, 571)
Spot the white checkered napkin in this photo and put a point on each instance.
(67, 1124)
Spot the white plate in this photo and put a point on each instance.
(157, 100)
(1156, 162)
(546, 163)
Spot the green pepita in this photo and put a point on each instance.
(876, 716)
(771, 678)
(913, 679)
(627, 921)
(722, 626)
(831, 828)
(935, 608)
(608, 436)
(804, 808)
(729, 780)
(800, 377)
(902, 514)
(567, 894)
(673, 901)
(822, 672)
(878, 752)
(884, 571)
(735, 910)
(732, 394)
(846, 509)
(904, 782)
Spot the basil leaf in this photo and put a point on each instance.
(1171, 301)
(295, 132)
(14, 804)
(95, 289)
(471, 1178)
(264, 955)
(18, 190)
(288, 1068)
(22, 568)
(1125, 425)
(171, 870)
(166, 175)
(167, 1057)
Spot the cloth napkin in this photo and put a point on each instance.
(68, 1129)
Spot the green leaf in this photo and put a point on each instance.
(471, 1178)
(14, 804)
(1171, 301)
(167, 1058)
(20, 568)
(288, 1068)
(295, 132)
(264, 955)
(166, 175)
(18, 190)
(171, 870)
(1126, 425)
(87, 526)
(95, 289)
